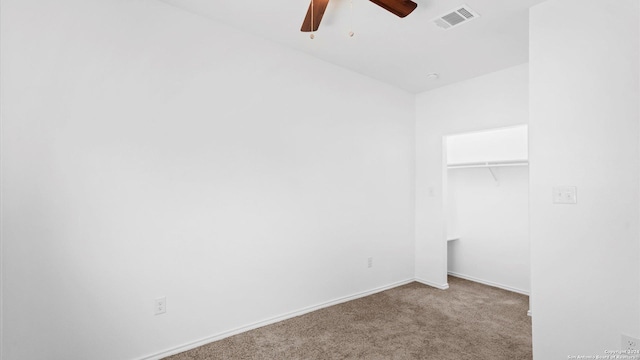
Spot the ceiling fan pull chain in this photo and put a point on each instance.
(312, 35)
(351, 33)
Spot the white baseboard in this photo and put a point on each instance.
(444, 286)
(225, 334)
(490, 283)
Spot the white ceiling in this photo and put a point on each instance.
(385, 47)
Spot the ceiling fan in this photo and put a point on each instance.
(311, 22)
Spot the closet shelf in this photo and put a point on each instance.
(489, 164)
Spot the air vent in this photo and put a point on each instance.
(460, 15)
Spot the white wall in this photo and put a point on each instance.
(495, 100)
(584, 132)
(148, 152)
(492, 221)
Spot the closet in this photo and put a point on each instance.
(486, 204)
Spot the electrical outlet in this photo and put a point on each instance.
(565, 195)
(631, 346)
(370, 262)
(160, 306)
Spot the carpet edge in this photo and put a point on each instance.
(219, 336)
(489, 283)
(444, 286)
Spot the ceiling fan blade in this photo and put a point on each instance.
(319, 6)
(401, 8)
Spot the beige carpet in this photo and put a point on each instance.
(414, 321)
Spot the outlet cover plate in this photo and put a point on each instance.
(630, 347)
(565, 195)
(160, 306)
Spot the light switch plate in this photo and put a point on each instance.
(565, 195)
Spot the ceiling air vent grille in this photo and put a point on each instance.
(460, 15)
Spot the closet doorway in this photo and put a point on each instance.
(486, 201)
